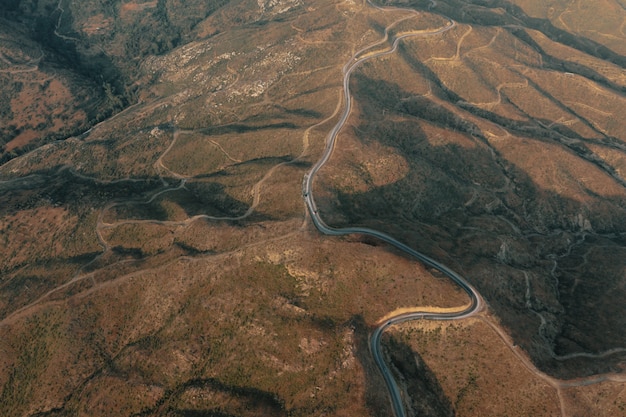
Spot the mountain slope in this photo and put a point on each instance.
(162, 262)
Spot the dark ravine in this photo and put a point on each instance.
(430, 399)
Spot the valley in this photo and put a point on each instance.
(162, 255)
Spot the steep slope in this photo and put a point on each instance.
(157, 264)
(81, 59)
(42, 99)
(162, 262)
(502, 151)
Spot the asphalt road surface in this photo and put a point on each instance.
(476, 303)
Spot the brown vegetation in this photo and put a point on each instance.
(162, 263)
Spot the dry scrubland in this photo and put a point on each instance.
(38, 99)
(269, 328)
(507, 159)
(481, 375)
(161, 263)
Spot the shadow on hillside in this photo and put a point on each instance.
(426, 395)
(469, 207)
(233, 397)
(376, 397)
(42, 256)
(489, 13)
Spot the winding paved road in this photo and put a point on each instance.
(476, 303)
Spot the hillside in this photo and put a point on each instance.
(159, 259)
(512, 168)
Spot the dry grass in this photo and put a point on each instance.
(555, 169)
(531, 156)
(261, 316)
(107, 157)
(195, 153)
(608, 69)
(46, 104)
(478, 373)
(274, 318)
(604, 399)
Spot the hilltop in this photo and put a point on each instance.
(159, 257)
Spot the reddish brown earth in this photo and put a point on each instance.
(163, 262)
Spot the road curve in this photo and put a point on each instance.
(476, 303)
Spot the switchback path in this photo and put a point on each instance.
(476, 304)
